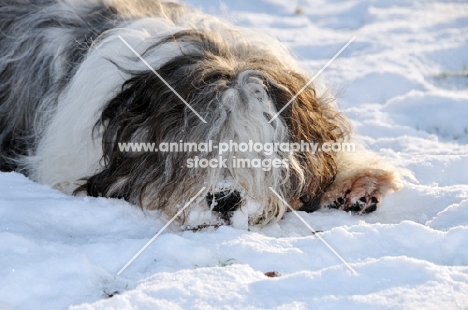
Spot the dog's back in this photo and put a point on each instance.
(42, 44)
(33, 71)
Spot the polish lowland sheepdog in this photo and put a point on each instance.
(74, 86)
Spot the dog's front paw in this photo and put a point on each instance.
(360, 206)
(360, 191)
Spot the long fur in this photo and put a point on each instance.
(70, 91)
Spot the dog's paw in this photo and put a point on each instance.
(361, 206)
(360, 191)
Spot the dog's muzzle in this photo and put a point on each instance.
(224, 201)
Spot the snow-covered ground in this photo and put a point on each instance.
(404, 84)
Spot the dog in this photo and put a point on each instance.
(80, 77)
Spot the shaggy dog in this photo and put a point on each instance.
(72, 91)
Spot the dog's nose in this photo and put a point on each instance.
(224, 201)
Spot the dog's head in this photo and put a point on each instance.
(238, 88)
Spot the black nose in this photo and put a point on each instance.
(225, 201)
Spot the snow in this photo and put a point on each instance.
(404, 84)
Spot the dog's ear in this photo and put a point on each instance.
(310, 120)
(309, 117)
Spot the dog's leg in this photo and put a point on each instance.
(361, 183)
